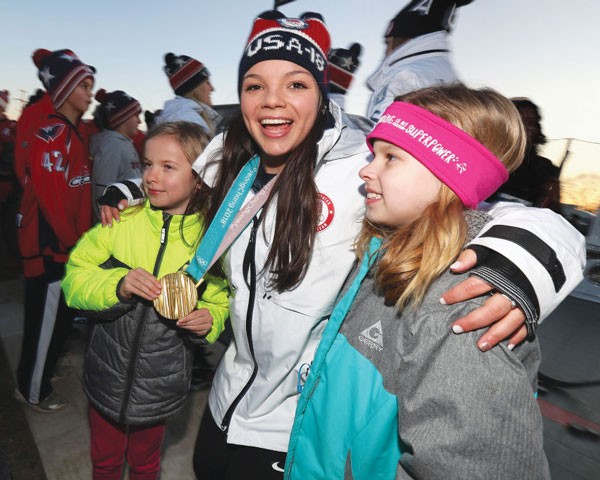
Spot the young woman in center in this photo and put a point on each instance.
(392, 393)
(288, 265)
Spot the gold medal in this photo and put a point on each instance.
(178, 296)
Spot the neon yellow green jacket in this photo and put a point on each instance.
(138, 364)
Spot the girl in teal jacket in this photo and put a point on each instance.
(138, 364)
(392, 392)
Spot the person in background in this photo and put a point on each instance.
(55, 210)
(537, 179)
(190, 81)
(9, 186)
(113, 153)
(34, 114)
(8, 133)
(417, 52)
(112, 275)
(392, 392)
(343, 63)
(150, 117)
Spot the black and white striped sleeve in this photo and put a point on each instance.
(532, 255)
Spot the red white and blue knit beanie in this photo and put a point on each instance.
(343, 62)
(304, 41)
(118, 106)
(185, 73)
(420, 18)
(60, 72)
(4, 99)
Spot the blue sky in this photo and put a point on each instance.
(547, 50)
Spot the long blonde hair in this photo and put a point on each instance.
(413, 256)
(195, 95)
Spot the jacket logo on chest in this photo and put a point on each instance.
(373, 336)
(51, 132)
(326, 212)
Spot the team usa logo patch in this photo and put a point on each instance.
(51, 132)
(326, 212)
(293, 23)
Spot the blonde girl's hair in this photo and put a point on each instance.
(413, 256)
(190, 136)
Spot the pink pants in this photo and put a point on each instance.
(111, 444)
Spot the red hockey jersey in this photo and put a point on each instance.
(56, 208)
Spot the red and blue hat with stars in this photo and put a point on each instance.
(60, 72)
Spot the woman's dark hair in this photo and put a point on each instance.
(297, 199)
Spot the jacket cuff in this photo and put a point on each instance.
(127, 190)
(127, 301)
(508, 279)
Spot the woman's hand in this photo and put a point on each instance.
(108, 214)
(497, 311)
(199, 322)
(141, 283)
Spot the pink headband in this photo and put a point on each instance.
(468, 168)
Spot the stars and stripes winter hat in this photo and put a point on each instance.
(117, 107)
(343, 62)
(60, 72)
(304, 41)
(4, 98)
(420, 17)
(185, 73)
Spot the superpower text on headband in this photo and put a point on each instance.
(468, 168)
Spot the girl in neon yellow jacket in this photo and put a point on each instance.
(138, 364)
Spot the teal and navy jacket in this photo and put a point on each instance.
(397, 395)
(138, 364)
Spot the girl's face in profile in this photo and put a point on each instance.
(399, 187)
(168, 177)
(280, 102)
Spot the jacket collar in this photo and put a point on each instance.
(157, 219)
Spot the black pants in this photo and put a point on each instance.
(48, 321)
(215, 459)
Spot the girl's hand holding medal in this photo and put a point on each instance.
(199, 322)
(141, 283)
(174, 296)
